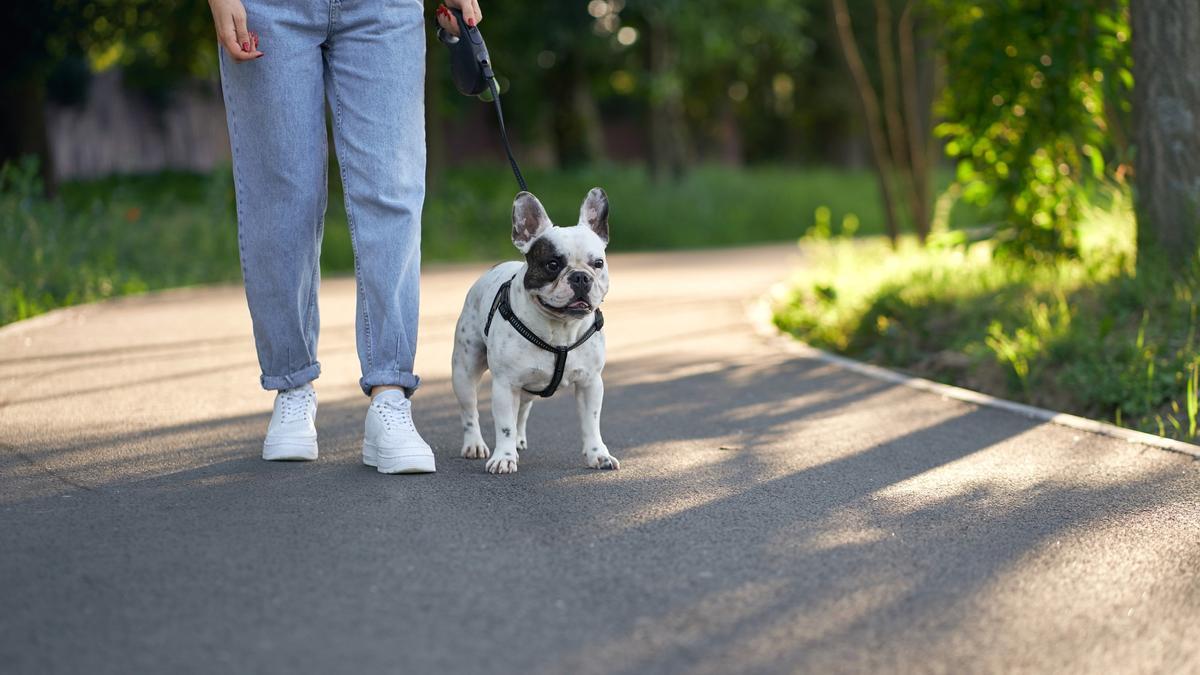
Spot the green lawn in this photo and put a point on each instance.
(128, 234)
(1086, 336)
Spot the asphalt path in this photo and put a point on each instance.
(772, 513)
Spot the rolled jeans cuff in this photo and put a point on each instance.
(292, 380)
(389, 378)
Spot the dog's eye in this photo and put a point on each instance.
(597, 264)
(553, 266)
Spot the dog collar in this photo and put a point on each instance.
(560, 353)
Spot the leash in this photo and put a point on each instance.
(471, 69)
(500, 304)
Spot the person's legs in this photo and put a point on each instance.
(375, 73)
(276, 113)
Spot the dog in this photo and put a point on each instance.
(553, 297)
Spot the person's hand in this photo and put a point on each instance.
(470, 10)
(229, 17)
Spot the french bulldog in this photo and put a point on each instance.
(555, 293)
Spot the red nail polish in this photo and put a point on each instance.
(245, 46)
(471, 23)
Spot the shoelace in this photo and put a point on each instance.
(396, 413)
(294, 404)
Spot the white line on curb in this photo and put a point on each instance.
(760, 316)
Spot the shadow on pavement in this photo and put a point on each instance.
(775, 516)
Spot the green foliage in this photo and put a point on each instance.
(741, 68)
(156, 42)
(132, 233)
(109, 238)
(1034, 107)
(710, 206)
(1085, 335)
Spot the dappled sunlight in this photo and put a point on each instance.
(846, 528)
(105, 461)
(878, 584)
(1118, 578)
(1003, 475)
(738, 628)
(772, 512)
(852, 246)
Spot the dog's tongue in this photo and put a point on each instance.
(579, 304)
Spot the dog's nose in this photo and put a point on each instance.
(579, 280)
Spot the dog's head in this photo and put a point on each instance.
(566, 273)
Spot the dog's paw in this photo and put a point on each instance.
(475, 448)
(598, 458)
(522, 443)
(502, 463)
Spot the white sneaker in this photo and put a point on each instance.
(392, 444)
(292, 433)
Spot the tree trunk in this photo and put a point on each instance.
(23, 125)
(1166, 112)
(918, 90)
(871, 116)
(591, 127)
(578, 135)
(897, 133)
(668, 126)
(729, 135)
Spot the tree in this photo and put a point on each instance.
(695, 53)
(1166, 109)
(1035, 92)
(53, 43)
(898, 122)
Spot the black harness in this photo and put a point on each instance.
(560, 353)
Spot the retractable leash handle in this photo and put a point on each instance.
(471, 70)
(470, 64)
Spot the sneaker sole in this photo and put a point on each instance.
(394, 465)
(290, 452)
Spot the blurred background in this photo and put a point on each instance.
(963, 176)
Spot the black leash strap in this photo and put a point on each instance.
(501, 304)
(512, 161)
(471, 69)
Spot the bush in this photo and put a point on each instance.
(1035, 111)
(112, 238)
(1086, 336)
(128, 234)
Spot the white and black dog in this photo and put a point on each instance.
(534, 324)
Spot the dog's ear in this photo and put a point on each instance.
(594, 212)
(529, 221)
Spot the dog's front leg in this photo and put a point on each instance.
(522, 419)
(505, 400)
(589, 396)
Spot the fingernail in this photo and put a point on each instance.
(471, 22)
(245, 46)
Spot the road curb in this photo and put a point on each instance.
(760, 316)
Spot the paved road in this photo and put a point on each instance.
(771, 514)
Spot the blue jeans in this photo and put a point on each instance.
(367, 59)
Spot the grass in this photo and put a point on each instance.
(1086, 336)
(128, 234)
